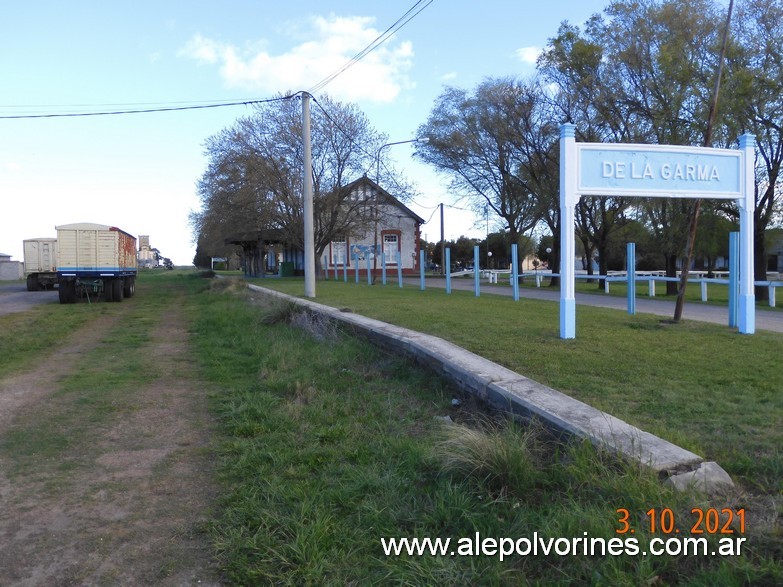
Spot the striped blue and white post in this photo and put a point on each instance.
(476, 283)
(399, 268)
(448, 270)
(421, 268)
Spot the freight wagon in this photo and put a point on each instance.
(95, 260)
(40, 263)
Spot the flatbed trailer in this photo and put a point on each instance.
(95, 261)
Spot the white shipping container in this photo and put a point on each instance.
(95, 247)
(40, 255)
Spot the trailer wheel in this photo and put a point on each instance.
(108, 290)
(32, 283)
(117, 289)
(130, 287)
(66, 291)
(62, 292)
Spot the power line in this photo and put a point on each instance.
(142, 110)
(377, 42)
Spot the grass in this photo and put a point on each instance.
(698, 385)
(96, 393)
(329, 445)
(325, 444)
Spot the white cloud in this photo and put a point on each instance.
(449, 76)
(380, 76)
(528, 54)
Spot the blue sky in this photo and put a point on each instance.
(139, 172)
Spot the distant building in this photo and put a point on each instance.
(10, 270)
(396, 236)
(147, 256)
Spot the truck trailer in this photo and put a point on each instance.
(95, 260)
(40, 263)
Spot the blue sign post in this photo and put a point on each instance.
(733, 278)
(515, 271)
(655, 171)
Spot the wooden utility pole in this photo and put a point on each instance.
(693, 217)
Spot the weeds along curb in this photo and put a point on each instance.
(512, 392)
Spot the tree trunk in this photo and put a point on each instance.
(671, 271)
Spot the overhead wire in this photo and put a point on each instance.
(127, 111)
(377, 42)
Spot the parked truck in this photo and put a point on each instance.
(95, 260)
(40, 263)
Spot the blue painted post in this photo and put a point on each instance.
(630, 268)
(746, 313)
(515, 271)
(399, 268)
(345, 263)
(448, 270)
(369, 271)
(335, 269)
(476, 284)
(734, 244)
(356, 268)
(383, 267)
(568, 200)
(421, 269)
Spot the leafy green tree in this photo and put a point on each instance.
(755, 83)
(484, 142)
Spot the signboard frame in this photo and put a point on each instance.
(654, 171)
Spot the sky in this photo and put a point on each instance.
(139, 172)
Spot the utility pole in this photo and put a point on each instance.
(309, 238)
(693, 216)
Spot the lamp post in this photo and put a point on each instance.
(378, 182)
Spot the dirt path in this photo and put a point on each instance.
(132, 508)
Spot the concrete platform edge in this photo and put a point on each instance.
(510, 391)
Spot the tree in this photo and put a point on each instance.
(756, 90)
(482, 141)
(642, 72)
(253, 180)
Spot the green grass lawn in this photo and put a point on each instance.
(327, 445)
(698, 385)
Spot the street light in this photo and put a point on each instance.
(378, 183)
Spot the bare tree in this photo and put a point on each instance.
(254, 177)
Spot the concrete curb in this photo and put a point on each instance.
(513, 392)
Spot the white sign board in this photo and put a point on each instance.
(654, 171)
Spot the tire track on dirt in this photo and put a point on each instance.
(22, 390)
(133, 512)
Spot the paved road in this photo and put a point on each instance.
(14, 297)
(765, 319)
